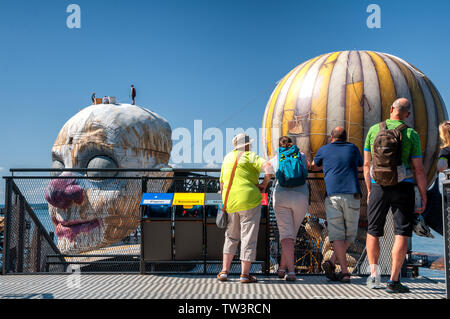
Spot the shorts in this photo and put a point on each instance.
(290, 210)
(343, 212)
(401, 199)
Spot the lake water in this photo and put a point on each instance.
(433, 246)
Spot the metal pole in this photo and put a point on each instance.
(172, 232)
(38, 249)
(142, 261)
(446, 232)
(21, 235)
(267, 238)
(205, 182)
(357, 270)
(7, 231)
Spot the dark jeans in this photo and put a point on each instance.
(401, 199)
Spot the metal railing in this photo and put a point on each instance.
(27, 244)
(117, 248)
(446, 228)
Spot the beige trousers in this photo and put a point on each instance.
(290, 210)
(243, 226)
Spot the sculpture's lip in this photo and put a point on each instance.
(72, 228)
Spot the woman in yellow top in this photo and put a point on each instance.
(243, 205)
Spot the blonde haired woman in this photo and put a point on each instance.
(444, 154)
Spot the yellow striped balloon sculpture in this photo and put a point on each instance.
(354, 89)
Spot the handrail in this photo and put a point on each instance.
(161, 170)
(183, 170)
(187, 174)
(40, 228)
(36, 220)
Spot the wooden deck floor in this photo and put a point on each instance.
(134, 286)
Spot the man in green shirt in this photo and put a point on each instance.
(400, 198)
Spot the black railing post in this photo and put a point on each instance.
(21, 235)
(205, 189)
(267, 230)
(357, 270)
(37, 266)
(144, 182)
(267, 270)
(7, 226)
(142, 261)
(446, 230)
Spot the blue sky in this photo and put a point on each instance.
(215, 60)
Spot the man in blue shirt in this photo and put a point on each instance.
(340, 161)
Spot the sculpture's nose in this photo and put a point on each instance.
(63, 192)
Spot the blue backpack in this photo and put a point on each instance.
(291, 170)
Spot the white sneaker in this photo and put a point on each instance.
(290, 276)
(373, 282)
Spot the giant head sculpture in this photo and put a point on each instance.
(94, 212)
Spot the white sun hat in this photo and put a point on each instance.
(241, 140)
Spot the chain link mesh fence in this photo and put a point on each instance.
(312, 246)
(101, 233)
(27, 243)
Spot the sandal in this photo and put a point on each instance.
(222, 276)
(329, 269)
(290, 277)
(246, 279)
(281, 273)
(343, 277)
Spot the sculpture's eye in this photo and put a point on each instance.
(100, 162)
(57, 164)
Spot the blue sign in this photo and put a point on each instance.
(157, 199)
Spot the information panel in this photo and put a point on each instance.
(157, 199)
(188, 200)
(213, 199)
